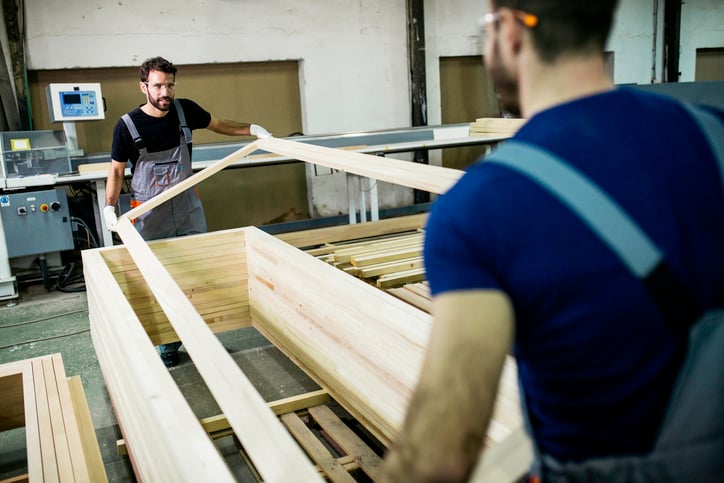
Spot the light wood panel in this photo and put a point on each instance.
(213, 276)
(254, 424)
(166, 441)
(413, 175)
(59, 447)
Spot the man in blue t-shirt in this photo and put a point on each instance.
(511, 268)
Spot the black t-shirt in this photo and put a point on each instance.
(158, 133)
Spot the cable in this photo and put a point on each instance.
(64, 280)
(82, 311)
(44, 339)
(80, 222)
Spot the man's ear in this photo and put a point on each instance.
(142, 86)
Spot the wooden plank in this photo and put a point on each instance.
(154, 417)
(94, 461)
(214, 424)
(493, 125)
(389, 267)
(32, 428)
(318, 236)
(387, 256)
(17, 479)
(402, 277)
(426, 177)
(362, 345)
(58, 423)
(70, 422)
(345, 437)
(505, 462)
(412, 298)
(191, 181)
(44, 424)
(372, 248)
(255, 425)
(316, 450)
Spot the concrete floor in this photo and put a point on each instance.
(44, 322)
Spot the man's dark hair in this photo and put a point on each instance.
(566, 26)
(156, 63)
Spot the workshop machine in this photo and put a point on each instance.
(35, 219)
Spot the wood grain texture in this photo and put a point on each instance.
(433, 179)
(153, 415)
(256, 426)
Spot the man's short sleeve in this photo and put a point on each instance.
(456, 247)
(196, 116)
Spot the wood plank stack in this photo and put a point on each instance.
(493, 126)
(60, 440)
(387, 261)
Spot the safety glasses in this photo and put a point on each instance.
(527, 19)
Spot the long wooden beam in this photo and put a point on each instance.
(256, 426)
(191, 181)
(434, 179)
(153, 414)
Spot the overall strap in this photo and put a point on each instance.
(182, 122)
(607, 219)
(137, 140)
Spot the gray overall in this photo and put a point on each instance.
(155, 173)
(690, 443)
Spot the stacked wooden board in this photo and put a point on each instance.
(60, 440)
(493, 126)
(363, 346)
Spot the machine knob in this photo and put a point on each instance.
(55, 206)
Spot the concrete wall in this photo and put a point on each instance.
(353, 53)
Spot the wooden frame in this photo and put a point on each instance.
(359, 343)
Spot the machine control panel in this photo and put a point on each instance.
(36, 222)
(75, 102)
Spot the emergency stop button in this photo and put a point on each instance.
(44, 207)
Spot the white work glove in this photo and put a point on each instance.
(109, 213)
(259, 132)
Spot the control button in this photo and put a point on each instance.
(32, 208)
(22, 211)
(55, 206)
(44, 207)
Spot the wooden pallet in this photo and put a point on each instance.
(337, 451)
(60, 440)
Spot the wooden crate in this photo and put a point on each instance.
(362, 345)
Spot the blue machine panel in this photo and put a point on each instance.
(36, 222)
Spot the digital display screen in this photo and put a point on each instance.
(71, 98)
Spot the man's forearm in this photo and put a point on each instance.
(447, 419)
(230, 128)
(113, 185)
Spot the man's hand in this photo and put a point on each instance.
(109, 213)
(259, 132)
